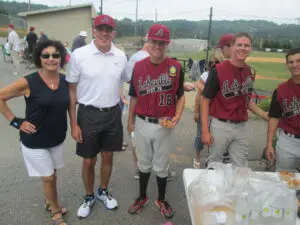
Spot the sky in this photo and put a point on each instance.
(278, 11)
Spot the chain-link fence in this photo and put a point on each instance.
(18, 22)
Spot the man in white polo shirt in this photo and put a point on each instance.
(95, 73)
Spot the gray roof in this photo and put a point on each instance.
(29, 13)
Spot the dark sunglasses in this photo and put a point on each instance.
(211, 63)
(47, 56)
(158, 42)
(104, 27)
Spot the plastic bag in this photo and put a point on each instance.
(211, 195)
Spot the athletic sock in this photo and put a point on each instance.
(162, 186)
(144, 178)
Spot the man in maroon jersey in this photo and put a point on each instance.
(284, 113)
(226, 97)
(156, 105)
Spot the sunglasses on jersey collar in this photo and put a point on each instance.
(47, 56)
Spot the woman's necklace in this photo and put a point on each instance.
(51, 83)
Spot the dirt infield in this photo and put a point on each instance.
(268, 78)
(263, 59)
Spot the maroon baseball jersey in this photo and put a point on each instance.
(235, 88)
(288, 96)
(156, 87)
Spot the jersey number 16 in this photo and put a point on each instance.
(165, 99)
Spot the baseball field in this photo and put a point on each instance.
(270, 67)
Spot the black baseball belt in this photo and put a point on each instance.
(230, 121)
(105, 109)
(149, 119)
(291, 135)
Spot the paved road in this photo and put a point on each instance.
(21, 201)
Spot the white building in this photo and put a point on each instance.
(187, 45)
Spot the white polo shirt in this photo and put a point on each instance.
(98, 75)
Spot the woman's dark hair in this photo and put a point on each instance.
(40, 46)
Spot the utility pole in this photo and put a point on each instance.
(209, 36)
(155, 15)
(298, 19)
(101, 7)
(70, 3)
(29, 5)
(136, 17)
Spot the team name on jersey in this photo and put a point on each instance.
(291, 109)
(237, 89)
(150, 86)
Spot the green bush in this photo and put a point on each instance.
(265, 104)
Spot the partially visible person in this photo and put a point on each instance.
(79, 41)
(14, 43)
(227, 98)
(43, 36)
(123, 102)
(224, 45)
(215, 57)
(138, 56)
(68, 51)
(31, 39)
(43, 130)
(66, 44)
(284, 114)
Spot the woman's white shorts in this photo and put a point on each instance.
(43, 162)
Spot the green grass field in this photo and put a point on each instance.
(267, 54)
(266, 85)
(267, 69)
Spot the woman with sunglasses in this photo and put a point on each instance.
(215, 58)
(43, 130)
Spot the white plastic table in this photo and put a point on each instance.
(188, 176)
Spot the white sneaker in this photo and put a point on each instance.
(196, 164)
(136, 175)
(86, 207)
(15, 73)
(171, 175)
(107, 199)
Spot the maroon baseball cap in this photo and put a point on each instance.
(225, 40)
(11, 26)
(104, 20)
(159, 32)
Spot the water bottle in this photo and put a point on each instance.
(255, 208)
(242, 209)
(290, 208)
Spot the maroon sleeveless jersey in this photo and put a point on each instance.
(236, 85)
(156, 87)
(288, 95)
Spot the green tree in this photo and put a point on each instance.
(266, 44)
